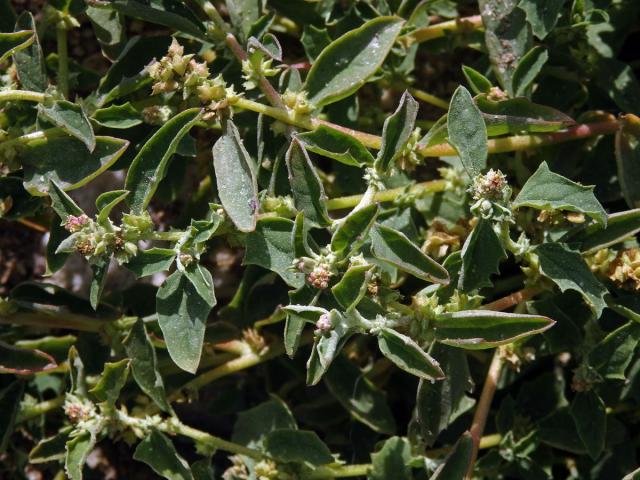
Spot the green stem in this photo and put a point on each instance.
(69, 321)
(439, 30)
(351, 201)
(24, 95)
(342, 471)
(63, 59)
(428, 98)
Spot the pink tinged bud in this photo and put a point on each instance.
(323, 325)
(75, 224)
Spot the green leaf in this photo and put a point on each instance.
(62, 203)
(477, 81)
(153, 260)
(253, 425)
(78, 449)
(237, 187)
(67, 161)
(507, 37)
(391, 461)
(393, 247)
(359, 396)
(107, 201)
(100, 269)
(10, 398)
(337, 145)
(29, 61)
(314, 40)
(613, 354)
(481, 253)
(528, 69)
(157, 451)
(183, 304)
(439, 403)
(23, 361)
(590, 416)
(628, 159)
(408, 355)
(52, 448)
(269, 246)
(144, 365)
(549, 191)
(297, 446)
(352, 287)
(306, 186)
(619, 226)
(353, 230)
(71, 118)
(174, 15)
(457, 462)
(113, 378)
(467, 131)
(517, 115)
(346, 63)
(479, 329)
(296, 320)
(569, 271)
(109, 28)
(397, 131)
(10, 43)
(243, 14)
(150, 164)
(542, 15)
(117, 116)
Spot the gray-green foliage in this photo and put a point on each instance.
(311, 252)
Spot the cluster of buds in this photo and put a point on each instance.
(297, 103)
(496, 94)
(92, 239)
(78, 410)
(600, 261)
(584, 378)
(177, 71)
(373, 179)
(217, 95)
(409, 158)
(455, 180)
(237, 471)
(255, 67)
(625, 269)
(266, 470)
(324, 324)
(318, 270)
(491, 193)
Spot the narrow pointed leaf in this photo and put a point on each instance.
(457, 462)
(408, 355)
(62, 203)
(589, 414)
(144, 365)
(353, 230)
(481, 255)
(392, 460)
(24, 361)
(517, 115)
(477, 81)
(298, 446)
(13, 42)
(113, 378)
(619, 226)
(352, 287)
(150, 164)
(397, 131)
(337, 145)
(52, 448)
(480, 329)
(78, 449)
(72, 119)
(467, 131)
(236, 179)
(542, 15)
(153, 260)
(306, 186)
(346, 63)
(393, 247)
(117, 116)
(528, 69)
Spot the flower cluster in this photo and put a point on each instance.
(176, 71)
(255, 67)
(491, 193)
(625, 269)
